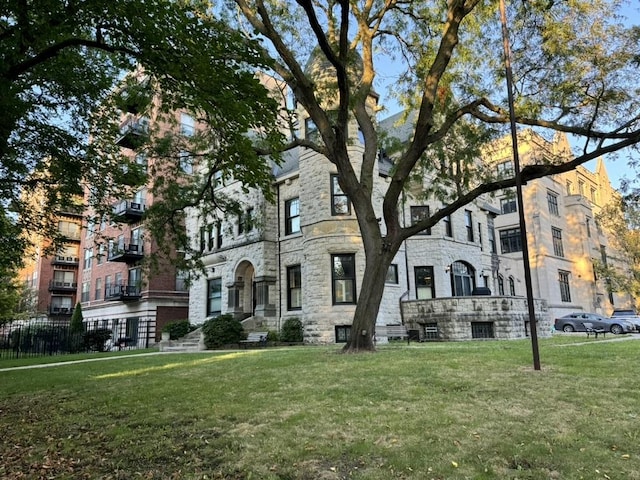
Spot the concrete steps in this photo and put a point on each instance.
(192, 342)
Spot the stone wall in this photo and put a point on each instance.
(455, 316)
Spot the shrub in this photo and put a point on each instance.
(96, 339)
(177, 329)
(76, 325)
(221, 331)
(273, 336)
(291, 330)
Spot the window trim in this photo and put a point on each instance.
(294, 272)
(336, 192)
(392, 272)
(208, 311)
(565, 286)
(289, 219)
(558, 247)
(417, 214)
(344, 257)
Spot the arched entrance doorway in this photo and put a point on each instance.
(242, 291)
(463, 279)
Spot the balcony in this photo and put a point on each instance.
(126, 253)
(128, 211)
(58, 286)
(133, 132)
(122, 292)
(62, 260)
(59, 311)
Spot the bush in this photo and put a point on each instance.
(222, 330)
(96, 339)
(177, 329)
(291, 330)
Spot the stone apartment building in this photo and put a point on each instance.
(302, 256)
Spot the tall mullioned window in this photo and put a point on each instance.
(468, 224)
(552, 203)
(425, 285)
(340, 204)
(292, 216)
(343, 278)
(558, 249)
(214, 297)
(563, 281)
(294, 287)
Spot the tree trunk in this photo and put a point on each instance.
(369, 299)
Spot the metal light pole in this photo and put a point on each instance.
(533, 329)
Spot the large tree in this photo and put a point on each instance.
(60, 63)
(575, 71)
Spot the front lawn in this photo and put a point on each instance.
(469, 410)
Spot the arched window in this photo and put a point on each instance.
(463, 279)
(500, 285)
(512, 287)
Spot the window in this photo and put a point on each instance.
(185, 162)
(510, 240)
(69, 230)
(340, 204)
(448, 230)
(563, 281)
(131, 329)
(419, 213)
(136, 240)
(569, 187)
(482, 330)
(480, 236)
(492, 235)
(64, 278)
(581, 187)
(182, 284)
(85, 292)
(203, 239)
(107, 283)
(425, 286)
(311, 131)
(512, 287)
(463, 279)
(245, 221)
(118, 279)
(468, 223)
(187, 125)
(210, 237)
(219, 234)
(392, 274)
(294, 287)
(505, 169)
(552, 203)
(593, 195)
(292, 216)
(508, 205)
(88, 257)
(588, 227)
(500, 285)
(343, 277)
(556, 234)
(98, 290)
(135, 277)
(343, 333)
(214, 297)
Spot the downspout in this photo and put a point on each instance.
(279, 256)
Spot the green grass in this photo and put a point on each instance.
(472, 410)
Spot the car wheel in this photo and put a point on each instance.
(568, 328)
(616, 329)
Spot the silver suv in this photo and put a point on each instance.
(627, 314)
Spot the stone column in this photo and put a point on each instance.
(265, 305)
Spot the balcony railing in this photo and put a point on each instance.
(59, 311)
(63, 260)
(122, 292)
(133, 132)
(126, 253)
(128, 210)
(61, 286)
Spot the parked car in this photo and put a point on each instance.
(627, 314)
(574, 323)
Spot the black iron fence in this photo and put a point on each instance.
(33, 338)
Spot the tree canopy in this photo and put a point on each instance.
(574, 64)
(60, 64)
